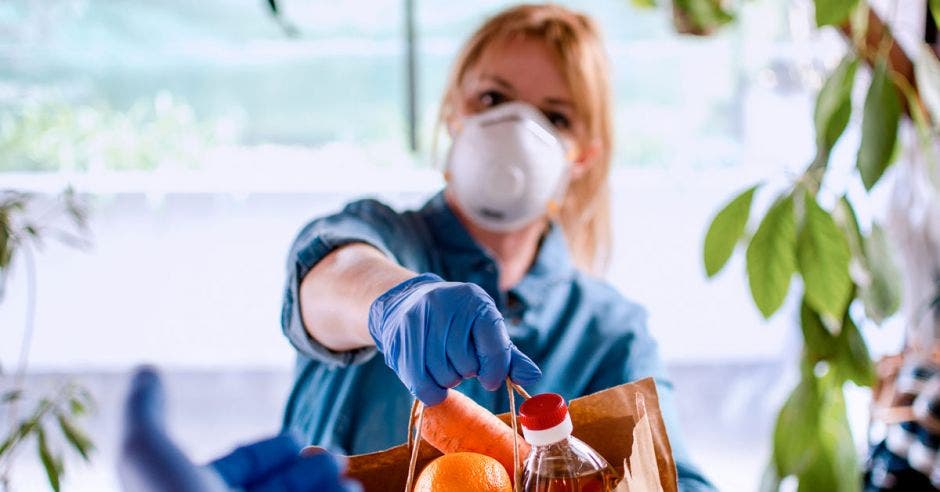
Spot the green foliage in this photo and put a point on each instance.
(796, 428)
(820, 343)
(771, 257)
(833, 464)
(55, 410)
(834, 106)
(52, 465)
(823, 256)
(880, 120)
(838, 263)
(701, 16)
(833, 12)
(75, 436)
(852, 360)
(877, 275)
(51, 135)
(644, 4)
(935, 10)
(726, 230)
(812, 440)
(882, 293)
(20, 226)
(25, 221)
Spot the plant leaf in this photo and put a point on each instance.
(644, 4)
(820, 343)
(935, 10)
(879, 127)
(834, 465)
(796, 428)
(11, 395)
(705, 16)
(7, 242)
(852, 359)
(882, 294)
(75, 436)
(771, 257)
(833, 12)
(76, 406)
(844, 215)
(834, 105)
(823, 256)
(725, 231)
(50, 464)
(19, 433)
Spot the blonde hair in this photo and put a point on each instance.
(575, 41)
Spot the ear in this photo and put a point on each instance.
(585, 156)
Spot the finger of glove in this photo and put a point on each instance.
(521, 368)
(428, 391)
(460, 350)
(146, 400)
(320, 472)
(436, 323)
(492, 346)
(412, 363)
(253, 462)
(461, 353)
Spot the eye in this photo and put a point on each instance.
(558, 120)
(491, 98)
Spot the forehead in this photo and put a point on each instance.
(527, 64)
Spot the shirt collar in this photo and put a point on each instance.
(552, 263)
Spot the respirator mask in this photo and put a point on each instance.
(507, 167)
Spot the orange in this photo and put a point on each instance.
(460, 472)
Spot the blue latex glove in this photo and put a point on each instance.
(151, 462)
(434, 334)
(275, 465)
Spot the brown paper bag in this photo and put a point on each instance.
(606, 420)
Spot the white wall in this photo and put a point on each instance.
(194, 278)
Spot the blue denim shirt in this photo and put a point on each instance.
(582, 333)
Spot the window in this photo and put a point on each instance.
(92, 86)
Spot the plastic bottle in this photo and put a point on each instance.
(557, 461)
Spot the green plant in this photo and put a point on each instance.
(811, 230)
(838, 263)
(55, 135)
(697, 17)
(22, 231)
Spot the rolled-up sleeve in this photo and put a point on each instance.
(364, 221)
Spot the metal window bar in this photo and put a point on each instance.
(411, 76)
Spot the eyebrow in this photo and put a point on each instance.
(553, 101)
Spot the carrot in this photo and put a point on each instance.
(459, 424)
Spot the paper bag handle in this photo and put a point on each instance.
(416, 419)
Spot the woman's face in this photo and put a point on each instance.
(522, 69)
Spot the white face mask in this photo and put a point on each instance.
(507, 166)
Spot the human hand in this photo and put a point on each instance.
(151, 461)
(434, 334)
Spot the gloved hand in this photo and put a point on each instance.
(435, 334)
(275, 465)
(151, 462)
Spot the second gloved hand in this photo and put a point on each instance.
(435, 334)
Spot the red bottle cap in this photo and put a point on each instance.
(543, 411)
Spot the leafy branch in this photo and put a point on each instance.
(826, 248)
(24, 229)
(68, 403)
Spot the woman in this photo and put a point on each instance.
(490, 279)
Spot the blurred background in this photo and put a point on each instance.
(205, 134)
